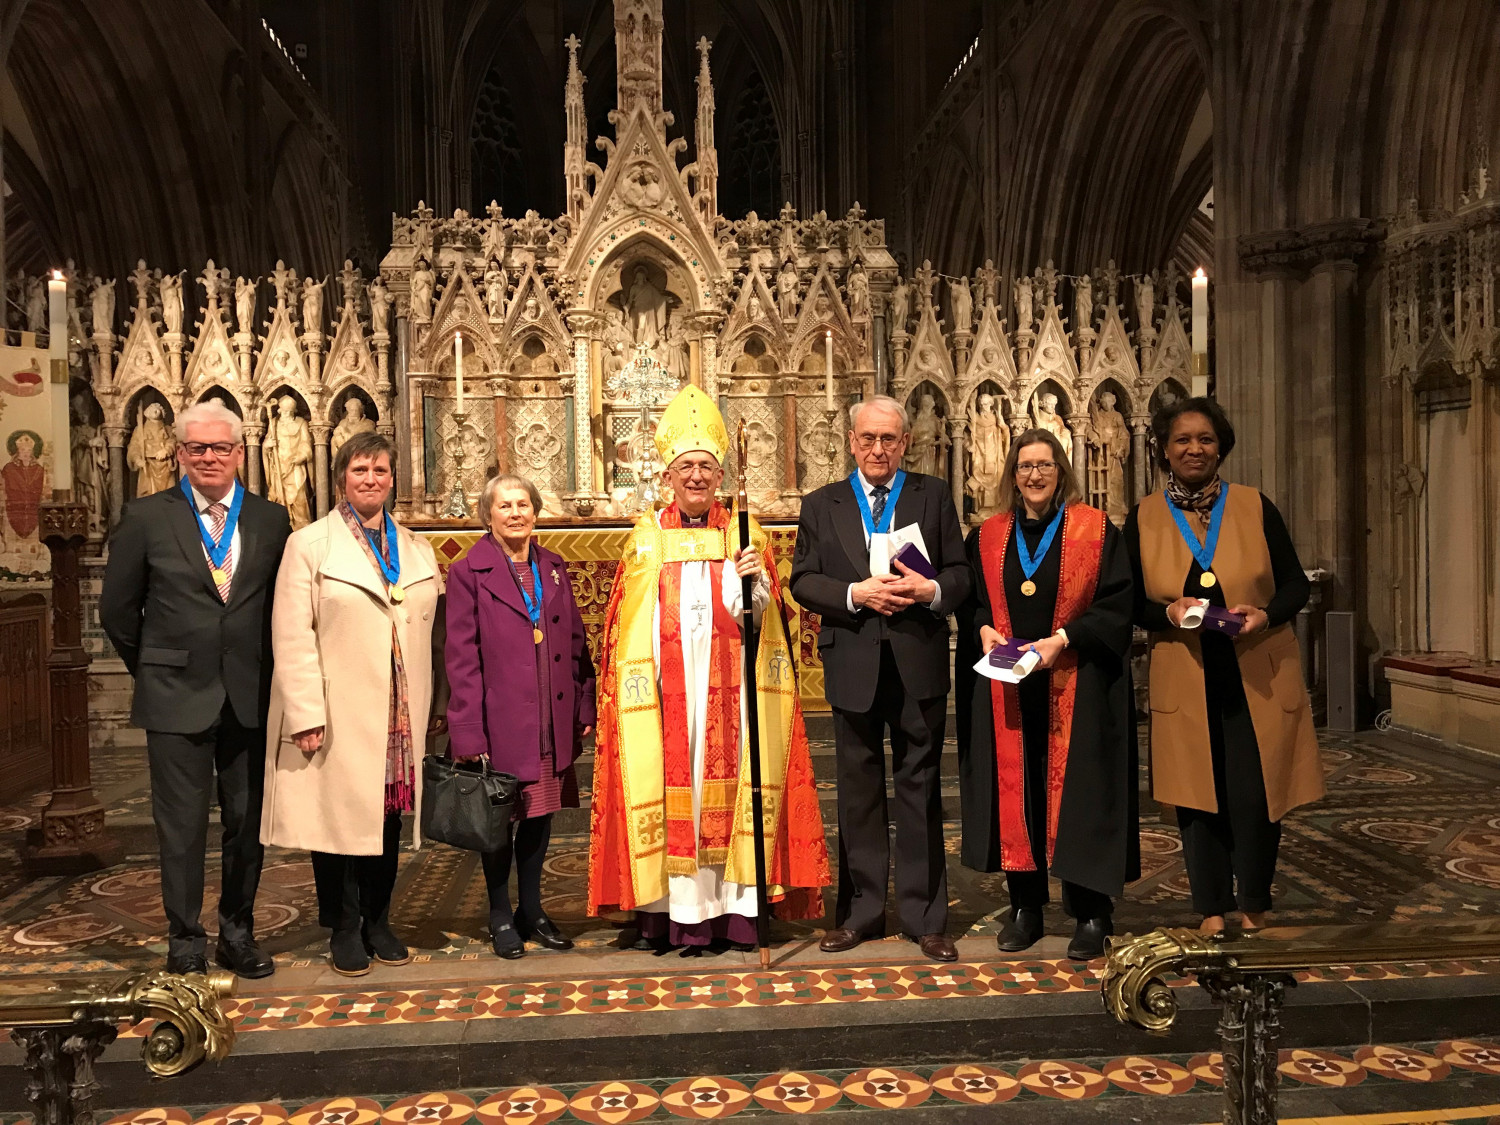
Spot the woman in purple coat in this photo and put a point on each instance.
(523, 693)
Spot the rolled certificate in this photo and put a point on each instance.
(1213, 618)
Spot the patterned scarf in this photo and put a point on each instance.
(721, 722)
(400, 759)
(1200, 502)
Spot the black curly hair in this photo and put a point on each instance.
(1161, 425)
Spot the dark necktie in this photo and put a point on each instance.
(877, 502)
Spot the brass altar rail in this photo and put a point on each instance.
(1247, 975)
(65, 1023)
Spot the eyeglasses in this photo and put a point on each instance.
(203, 449)
(1045, 468)
(883, 441)
(687, 471)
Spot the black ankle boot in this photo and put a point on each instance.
(381, 941)
(348, 949)
(1089, 937)
(1022, 930)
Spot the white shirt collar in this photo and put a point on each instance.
(202, 502)
(867, 486)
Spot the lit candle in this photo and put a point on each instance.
(57, 327)
(828, 370)
(57, 309)
(458, 367)
(1200, 312)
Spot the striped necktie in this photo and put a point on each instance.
(877, 502)
(217, 514)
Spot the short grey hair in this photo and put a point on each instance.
(505, 480)
(884, 401)
(207, 412)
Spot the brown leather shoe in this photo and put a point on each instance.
(841, 940)
(938, 947)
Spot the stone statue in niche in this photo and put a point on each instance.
(286, 456)
(1145, 300)
(927, 434)
(1044, 416)
(753, 307)
(171, 302)
(786, 291)
(353, 422)
(963, 304)
(282, 280)
(495, 283)
(380, 306)
(36, 305)
(244, 305)
(987, 279)
(90, 483)
(646, 305)
(1024, 315)
(152, 451)
(1112, 455)
(312, 305)
(989, 445)
(1083, 303)
(859, 292)
(423, 280)
(102, 301)
(900, 306)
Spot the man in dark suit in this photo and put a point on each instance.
(884, 645)
(187, 604)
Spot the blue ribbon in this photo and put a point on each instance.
(890, 504)
(217, 552)
(1204, 553)
(390, 568)
(533, 608)
(1028, 561)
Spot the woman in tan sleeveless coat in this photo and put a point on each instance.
(1232, 741)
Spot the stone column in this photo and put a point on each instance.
(104, 351)
(878, 345)
(958, 432)
(570, 421)
(321, 482)
(72, 837)
(1480, 441)
(789, 434)
(1138, 454)
(313, 342)
(254, 469)
(174, 342)
(402, 410)
(1079, 425)
(115, 436)
(500, 399)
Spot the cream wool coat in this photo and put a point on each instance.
(331, 636)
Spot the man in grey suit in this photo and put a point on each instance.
(187, 604)
(884, 645)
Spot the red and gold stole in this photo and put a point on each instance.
(721, 721)
(1082, 553)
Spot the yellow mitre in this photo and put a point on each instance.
(691, 422)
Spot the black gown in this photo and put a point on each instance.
(1098, 846)
(1234, 849)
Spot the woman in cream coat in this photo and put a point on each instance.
(352, 629)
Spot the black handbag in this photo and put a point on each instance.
(466, 803)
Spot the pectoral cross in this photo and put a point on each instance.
(699, 610)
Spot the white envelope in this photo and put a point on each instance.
(1012, 675)
(884, 547)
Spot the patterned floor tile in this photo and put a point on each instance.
(152, 1117)
(443, 1108)
(614, 1103)
(1321, 1068)
(880, 1088)
(1402, 1062)
(1142, 1075)
(338, 1111)
(705, 1099)
(1062, 1079)
(974, 1084)
(797, 1092)
(1481, 1057)
(522, 1105)
(255, 1113)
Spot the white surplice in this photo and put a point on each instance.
(706, 895)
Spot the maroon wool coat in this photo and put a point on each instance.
(491, 663)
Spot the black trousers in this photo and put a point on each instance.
(1029, 889)
(1231, 854)
(916, 732)
(183, 769)
(357, 888)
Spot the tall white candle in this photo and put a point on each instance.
(828, 369)
(1200, 312)
(458, 367)
(57, 327)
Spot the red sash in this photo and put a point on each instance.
(1082, 553)
(721, 735)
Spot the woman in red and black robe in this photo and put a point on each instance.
(1047, 767)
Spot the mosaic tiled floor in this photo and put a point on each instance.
(715, 1097)
(1406, 832)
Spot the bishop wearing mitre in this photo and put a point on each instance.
(673, 835)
